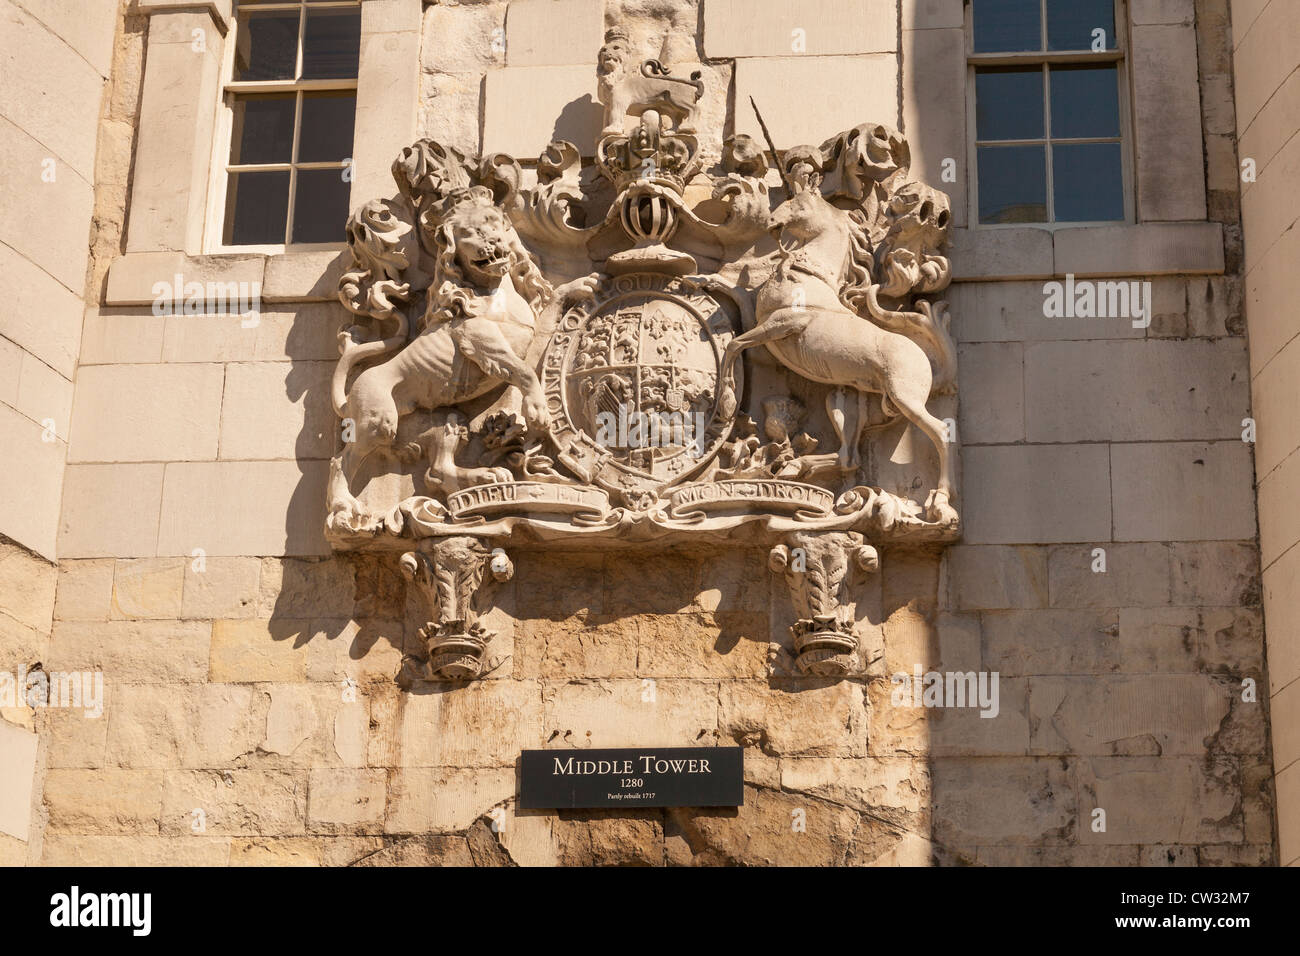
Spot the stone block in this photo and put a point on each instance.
(164, 726)
(627, 713)
(1135, 575)
(256, 650)
(388, 91)
(964, 731)
(1166, 98)
(85, 589)
(110, 510)
(1276, 389)
(30, 492)
(28, 583)
(146, 413)
(113, 338)
(1271, 286)
(43, 316)
(137, 277)
(18, 763)
(153, 851)
(305, 276)
(933, 14)
(278, 410)
(553, 32)
(234, 802)
(780, 28)
(1119, 715)
(1147, 12)
(1279, 526)
(934, 109)
(992, 393)
(1050, 641)
(451, 104)
(1182, 491)
(729, 644)
(43, 395)
(137, 652)
(1149, 249)
(578, 647)
(1131, 391)
(796, 717)
(148, 588)
(87, 30)
(346, 801)
(244, 508)
(780, 86)
(896, 789)
(1264, 135)
(1003, 801)
(108, 800)
(1264, 56)
(1214, 306)
(527, 107)
(438, 800)
(220, 587)
(990, 578)
(1281, 581)
(1015, 312)
(986, 254)
(1159, 800)
(485, 724)
(51, 91)
(459, 39)
(1159, 640)
(391, 16)
(1216, 573)
(1007, 500)
(63, 208)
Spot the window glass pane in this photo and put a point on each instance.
(320, 210)
(262, 128)
(1088, 182)
(256, 206)
(1003, 26)
(266, 45)
(331, 43)
(1012, 184)
(326, 134)
(1009, 103)
(1071, 24)
(1085, 101)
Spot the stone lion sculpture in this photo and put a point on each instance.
(626, 87)
(484, 298)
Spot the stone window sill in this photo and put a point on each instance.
(283, 277)
(1146, 249)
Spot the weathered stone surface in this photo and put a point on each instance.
(1135, 575)
(630, 713)
(608, 838)
(1018, 643)
(771, 829)
(29, 582)
(1172, 491)
(747, 28)
(484, 724)
(148, 588)
(1126, 716)
(990, 578)
(18, 749)
(1215, 572)
(346, 801)
(796, 717)
(234, 802)
(103, 801)
(893, 789)
(256, 650)
(85, 589)
(1008, 502)
(779, 85)
(135, 850)
(421, 851)
(166, 726)
(138, 652)
(554, 33)
(429, 800)
(1159, 800)
(1008, 801)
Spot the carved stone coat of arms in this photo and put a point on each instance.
(638, 351)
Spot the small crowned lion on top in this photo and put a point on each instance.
(626, 87)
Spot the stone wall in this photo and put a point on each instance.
(251, 711)
(1268, 111)
(56, 126)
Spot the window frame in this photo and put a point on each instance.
(220, 166)
(1044, 58)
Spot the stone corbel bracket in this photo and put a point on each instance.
(819, 570)
(457, 575)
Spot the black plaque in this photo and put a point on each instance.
(633, 777)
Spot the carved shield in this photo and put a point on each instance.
(632, 383)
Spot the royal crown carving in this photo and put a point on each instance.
(745, 354)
